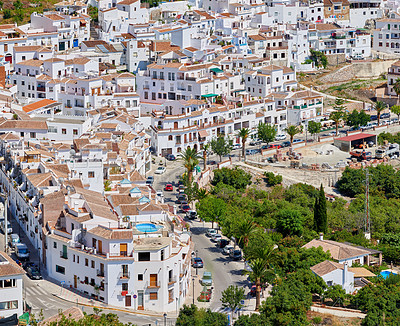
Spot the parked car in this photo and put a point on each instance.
(185, 208)
(297, 140)
(191, 215)
(197, 262)
(13, 239)
(159, 193)
(237, 146)
(27, 264)
(251, 151)
(255, 142)
(280, 137)
(216, 237)
(160, 170)
(9, 227)
(150, 180)
(235, 254)
(222, 243)
(181, 188)
(374, 117)
(385, 115)
(207, 279)
(253, 290)
(227, 250)
(170, 157)
(286, 144)
(33, 272)
(180, 198)
(169, 187)
(211, 232)
(21, 251)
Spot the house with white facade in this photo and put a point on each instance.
(387, 33)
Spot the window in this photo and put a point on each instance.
(92, 282)
(153, 296)
(64, 131)
(124, 286)
(170, 137)
(140, 277)
(329, 283)
(86, 280)
(144, 256)
(75, 132)
(91, 174)
(162, 254)
(9, 305)
(60, 269)
(23, 83)
(86, 262)
(10, 283)
(55, 245)
(93, 264)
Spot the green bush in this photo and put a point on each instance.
(237, 178)
(271, 179)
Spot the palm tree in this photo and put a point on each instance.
(396, 88)
(337, 116)
(244, 134)
(292, 131)
(206, 147)
(259, 273)
(243, 231)
(396, 110)
(190, 159)
(379, 107)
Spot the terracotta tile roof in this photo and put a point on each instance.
(113, 234)
(40, 179)
(136, 176)
(31, 62)
(127, 2)
(23, 124)
(53, 16)
(326, 267)
(9, 267)
(93, 43)
(37, 105)
(29, 48)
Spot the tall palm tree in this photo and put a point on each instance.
(293, 130)
(396, 88)
(337, 116)
(243, 231)
(259, 273)
(206, 147)
(379, 107)
(190, 159)
(244, 134)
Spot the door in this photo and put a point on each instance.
(75, 281)
(153, 279)
(128, 301)
(64, 252)
(100, 243)
(140, 300)
(123, 249)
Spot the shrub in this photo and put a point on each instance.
(271, 179)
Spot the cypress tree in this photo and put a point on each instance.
(320, 214)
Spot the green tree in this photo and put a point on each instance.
(320, 212)
(211, 208)
(396, 88)
(244, 134)
(266, 132)
(18, 5)
(237, 178)
(292, 131)
(19, 16)
(339, 104)
(336, 293)
(193, 316)
(231, 298)
(1, 4)
(357, 119)
(243, 230)
(314, 127)
(352, 182)
(7, 14)
(337, 116)
(221, 146)
(271, 179)
(396, 108)
(92, 320)
(289, 222)
(190, 158)
(379, 107)
(206, 148)
(318, 58)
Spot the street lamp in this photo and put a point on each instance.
(165, 319)
(197, 267)
(193, 289)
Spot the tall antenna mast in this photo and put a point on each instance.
(367, 225)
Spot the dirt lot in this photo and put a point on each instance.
(331, 320)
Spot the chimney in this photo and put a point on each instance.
(345, 271)
(321, 236)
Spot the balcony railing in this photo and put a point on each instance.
(154, 285)
(100, 273)
(172, 280)
(63, 255)
(41, 88)
(124, 275)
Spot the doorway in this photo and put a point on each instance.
(140, 300)
(128, 301)
(75, 281)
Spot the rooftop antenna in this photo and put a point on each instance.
(367, 221)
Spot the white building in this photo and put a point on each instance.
(386, 36)
(335, 274)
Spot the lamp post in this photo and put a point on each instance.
(165, 319)
(193, 289)
(196, 267)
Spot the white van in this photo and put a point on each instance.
(21, 251)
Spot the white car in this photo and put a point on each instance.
(216, 237)
(159, 193)
(160, 170)
(280, 137)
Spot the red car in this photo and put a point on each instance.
(274, 146)
(185, 208)
(169, 187)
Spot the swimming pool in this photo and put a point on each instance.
(148, 227)
(385, 274)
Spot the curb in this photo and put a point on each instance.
(108, 308)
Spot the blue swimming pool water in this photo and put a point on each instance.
(385, 274)
(148, 227)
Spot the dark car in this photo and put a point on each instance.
(150, 180)
(253, 291)
(286, 144)
(185, 208)
(236, 254)
(374, 117)
(169, 187)
(191, 215)
(197, 262)
(170, 157)
(181, 198)
(28, 264)
(33, 273)
(222, 243)
(385, 115)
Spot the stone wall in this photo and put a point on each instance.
(371, 69)
(343, 74)
(336, 59)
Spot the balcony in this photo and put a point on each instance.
(171, 280)
(63, 255)
(146, 87)
(154, 285)
(100, 273)
(124, 275)
(41, 88)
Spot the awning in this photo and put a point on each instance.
(216, 70)
(209, 95)
(203, 133)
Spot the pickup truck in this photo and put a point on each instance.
(389, 150)
(361, 155)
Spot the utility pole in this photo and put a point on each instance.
(367, 221)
